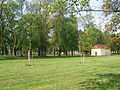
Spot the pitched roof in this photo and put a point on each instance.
(100, 46)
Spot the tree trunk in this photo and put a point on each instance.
(118, 52)
(21, 52)
(29, 54)
(6, 51)
(10, 51)
(59, 53)
(42, 50)
(2, 50)
(29, 59)
(39, 51)
(66, 53)
(54, 51)
(15, 51)
(72, 52)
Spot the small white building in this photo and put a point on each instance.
(100, 50)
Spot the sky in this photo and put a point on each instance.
(99, 17)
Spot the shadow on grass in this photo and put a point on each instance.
(48, 57)
(102, 82)
(2, 58)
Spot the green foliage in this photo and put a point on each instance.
(114, 43)
(65, 34)
(112, 5)
(7, 23)
(48, 25)
(90, 36)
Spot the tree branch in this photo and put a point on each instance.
(97, 10)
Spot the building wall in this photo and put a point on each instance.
(100, 52)
(106, 52)
(96, 50)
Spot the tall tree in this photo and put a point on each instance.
(91, 35)
(7, 22)
(42, 8)
(114, 43)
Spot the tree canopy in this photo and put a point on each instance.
(50, 26)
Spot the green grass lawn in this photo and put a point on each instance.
(55, 73)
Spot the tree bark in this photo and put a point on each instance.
(39, 51)
(66, 52)
(72, 52)
(42, 50)
(59, 53)
(54, 52)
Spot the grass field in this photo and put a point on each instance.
(65, 73)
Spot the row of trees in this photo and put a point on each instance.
(47, 26)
